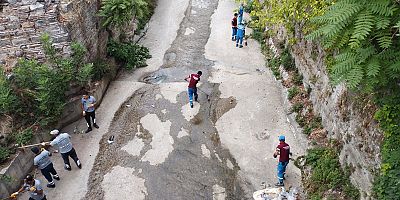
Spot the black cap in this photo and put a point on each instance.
(29, 178)
(199, 73)
(35, 150)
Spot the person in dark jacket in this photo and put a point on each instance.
(234, 26)
(283, 150)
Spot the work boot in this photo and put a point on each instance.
(56, 177)
(88, 130)
(241, 46)
(67, 167)
(233, 39)
(51, 185)
(237, 45)
(95, 125)
(279, 184)
(78, 163)
(191, 105)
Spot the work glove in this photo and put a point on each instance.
(14, 195)
(32, 189)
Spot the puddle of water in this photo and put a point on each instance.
(154, 78)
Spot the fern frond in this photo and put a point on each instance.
(354, 77)
(365, 54)
(382, 7)
(382, 22)
(384, 40)
(373, 67)
(362, 28)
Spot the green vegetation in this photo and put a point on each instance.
(4, 154)
(24, 137)
(292, 92)
(297, 107)
(36, 92)
(120, 13)
(274, 64)
(365, 38)
(131, 55)
(287, 60)
(327, 174)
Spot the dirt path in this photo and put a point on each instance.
(220, 149)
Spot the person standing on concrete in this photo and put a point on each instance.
(88, 111)
(283, 150)
(234, 26)
(193, 79)
(240, 35)
(42, 161)
(64, 145)
(33, 186)
(241, 10)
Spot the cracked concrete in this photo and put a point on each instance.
(220, 149)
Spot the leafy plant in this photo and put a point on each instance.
(297, 107)
(274, 64)
(287, 60)
(132, 55)
(120, 13)
(85, 74)
(24, 137)
(8, 100)
(292, 92)
(327, 174)
(307, 129)
(4, 154)
(297, 78)
(301, 120)
(100, 68)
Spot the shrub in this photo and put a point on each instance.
(292, 92)
(100, 68)
(24, 137)
(327, 174)
(300, 120)
(307, 129)
(4, 154)
(131, 55)
(297, 78)
(297, 107)
(8, 100)
(274, 64)
(84, 74)
(287, 60)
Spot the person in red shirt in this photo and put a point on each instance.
(234, 26)
(193, 79)
(283, 150)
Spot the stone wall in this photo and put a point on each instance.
(345, 116)
(22, 22)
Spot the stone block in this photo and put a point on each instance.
(19, 41)
(66, 7)
(4, 42)
(37, 6)
(2, 28)
(28, 2)
(27, 25)
(40, 24)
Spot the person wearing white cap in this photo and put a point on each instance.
(64, 145)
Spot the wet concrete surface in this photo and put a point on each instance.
(197, 165)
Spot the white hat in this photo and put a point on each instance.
(54, 132)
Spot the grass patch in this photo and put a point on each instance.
(327, 174)
(292, 92)
(297, 107)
